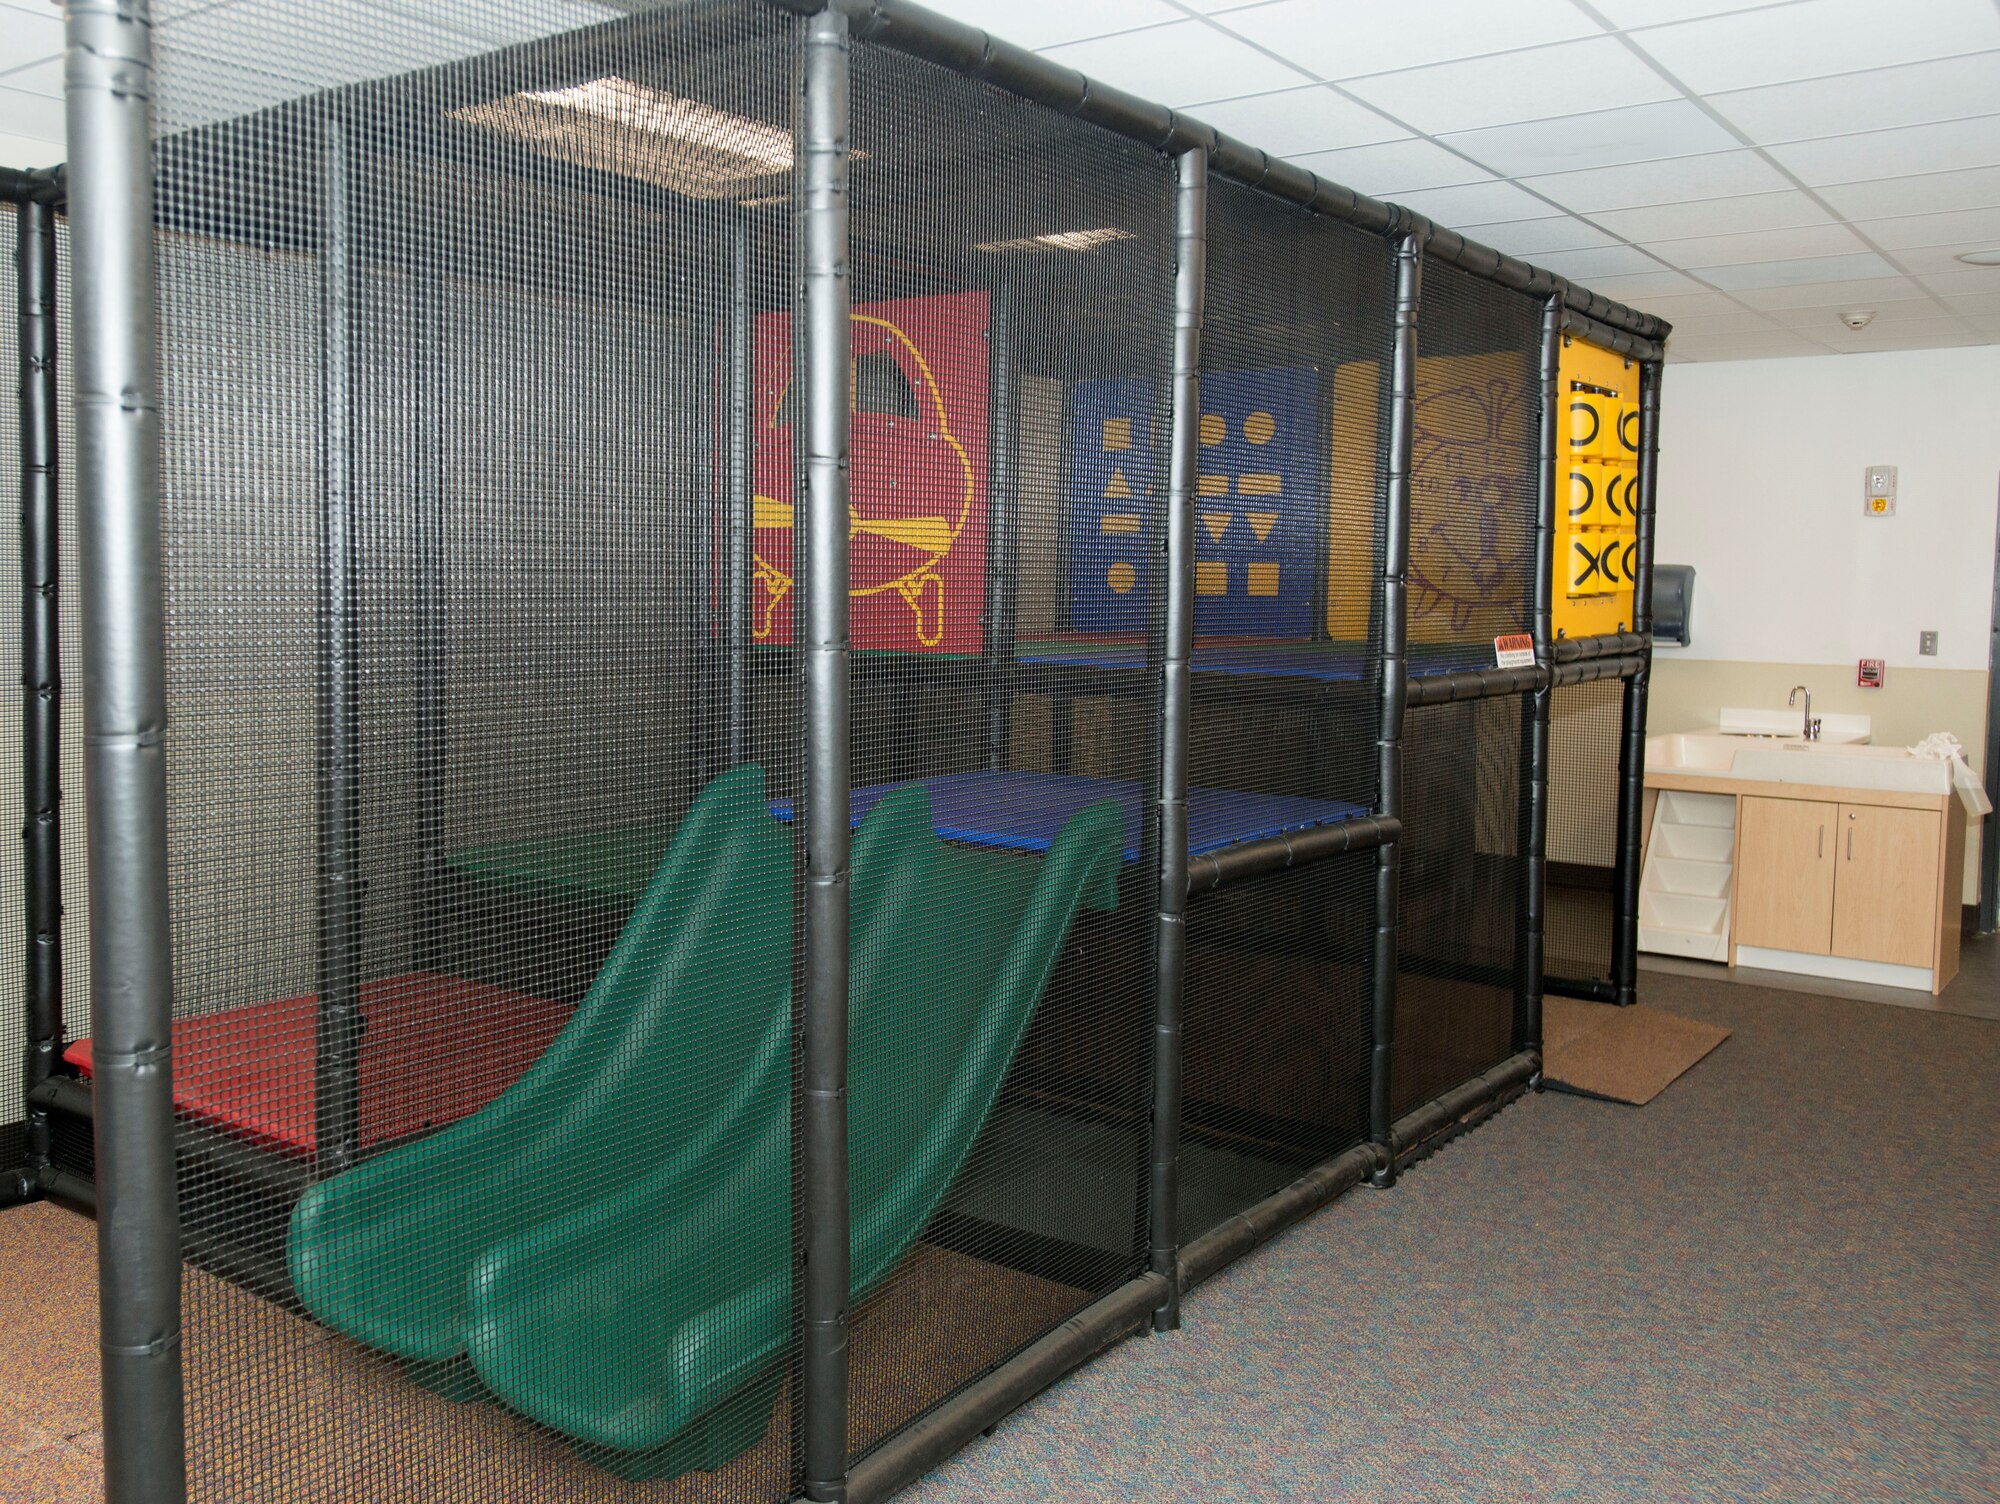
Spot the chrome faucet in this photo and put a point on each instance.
(1812, 721)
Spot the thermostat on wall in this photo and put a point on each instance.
(1879, 496)
(1871, 673)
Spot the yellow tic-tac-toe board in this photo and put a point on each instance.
(1597, 497)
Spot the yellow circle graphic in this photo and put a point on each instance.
(1214, 429)
(1120, 577)
(1259, 427)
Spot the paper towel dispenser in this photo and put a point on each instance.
(1673, 604)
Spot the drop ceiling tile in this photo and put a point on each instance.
(1859, 292)
(1295, 121)
(1597, 74)
(1473, 203)
(1395, 167)
(1798, 270)
(1989, 329)
(1772, 344)
(1907, 334)
(1634, 290)
(1603, 138)
(1881, 99)
(1938, 260)
(1736, 321)
(1757, 245)
(1919, 193)
(1943, 147)
(1823, 319)
(1816, 38)
(1604, 261)
(1693, 305)
(1715, 216)
(1934, 229)
(1348, 41)
(1961, 280)
(1537, 237)
(29, 151)
(32, 31)
(1627, 14)
(1674, 180)
(1048, 23)
(1186, 63)
(43, 77)
(1976, 304)
(24, 114)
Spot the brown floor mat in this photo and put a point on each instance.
(1623, 1054)
(280, 1410)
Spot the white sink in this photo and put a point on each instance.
(1828, 764)
(1843, 767)
(1786, 724)
(1691, 752)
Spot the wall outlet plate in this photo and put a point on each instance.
(1927, 644)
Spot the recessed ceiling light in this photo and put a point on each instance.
(618, 126)
(1059, 240)
(1981, 258)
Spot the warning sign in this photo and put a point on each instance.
(1514, 650)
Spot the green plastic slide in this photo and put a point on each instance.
(664, 1068)
(651, 1322)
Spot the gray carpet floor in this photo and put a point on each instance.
(1779, 1281)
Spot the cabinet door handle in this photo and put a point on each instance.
(1822, 843)
(1850, 843)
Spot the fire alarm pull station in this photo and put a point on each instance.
(1872, 673)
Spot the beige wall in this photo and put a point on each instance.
(1687, 694)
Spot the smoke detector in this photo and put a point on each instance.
(1858, 318)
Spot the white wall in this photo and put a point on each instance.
(1761, 485)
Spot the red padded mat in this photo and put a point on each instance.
(435, 1049)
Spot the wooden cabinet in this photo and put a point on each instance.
(1784, 874)
(1885, 885)
(1859, 881)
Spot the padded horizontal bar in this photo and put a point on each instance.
(1590, 670)
(63, 1094)
(1248, 1230)
(1603, 645)
(65, 1188)
(1590, 990)
(1476, 684)
(935, 1436)
(917, 32)
(1620, 341)
(1296, 848)
(34, 185)
(1430, 1127)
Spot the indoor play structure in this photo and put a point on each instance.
(788, 714)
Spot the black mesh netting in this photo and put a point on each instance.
(1472, 487)
(1460, 978)
(1296, 340)
(1585, 725)
(1010, 348)
(482, 949)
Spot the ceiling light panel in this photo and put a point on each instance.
(1348, 41)
(1598, 74)
(1818, 37)
(1881, 99)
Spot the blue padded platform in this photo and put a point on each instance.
(1326, 662)
(1023, 811)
